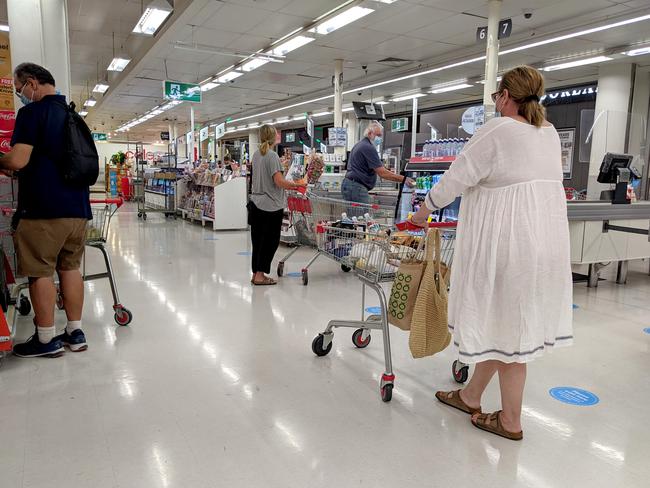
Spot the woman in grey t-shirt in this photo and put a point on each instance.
(267, 198)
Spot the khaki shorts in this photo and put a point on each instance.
(44, 246)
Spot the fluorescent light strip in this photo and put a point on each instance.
(585, 32)
(639, 51)
(209, 86)
(4, 28)
(229, 76)
(118, 64)
(253, 64)
(448, 88)
(321, 114)
(291, 45)
(101, 88)
(408, 97)
(453, 65)
(347, 109)
(151, 20)
(579, 62)
(341, 20)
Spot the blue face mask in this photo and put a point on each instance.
(378, 140)
(23, 98)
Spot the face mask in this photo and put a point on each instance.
(378, 140)
(24, 98)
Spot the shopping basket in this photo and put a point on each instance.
(312, 216)
(374, 256)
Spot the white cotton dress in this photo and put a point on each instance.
(511, 285)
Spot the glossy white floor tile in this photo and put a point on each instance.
(214, 385)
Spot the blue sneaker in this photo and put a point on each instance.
(76, 341)
(34, 348)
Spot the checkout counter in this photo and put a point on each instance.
(603, 232)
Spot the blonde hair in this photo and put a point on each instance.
(267, 138)
(526, 86)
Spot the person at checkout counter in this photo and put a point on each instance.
(365, 165)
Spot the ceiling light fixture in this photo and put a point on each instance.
(209, 86)
(341, 20)
(232, 75)
(253, 64)
(383, 102)
(290, 45)
(639, 51)
(91, 102)
(101, 88)
(347, 109)
(83, 113)
(402, 98)
(153, 17)
(321, 114)
(118, 64)
(448, 88)
(4, 28)
(579, 62)
(499, 78)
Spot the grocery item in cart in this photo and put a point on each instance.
(315, 168)
(297, 169)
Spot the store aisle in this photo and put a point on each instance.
(214, 385)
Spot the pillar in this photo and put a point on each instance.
(491, 56)
(338, 102)
(611, 119)
(253, 142)
(414, 127)
(39, 34)
(353, 130)
(638, 133)
(190, 149)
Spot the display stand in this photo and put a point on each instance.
(223, 205)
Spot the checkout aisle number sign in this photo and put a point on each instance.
(183, 92)
(505, 29)
(567, 141)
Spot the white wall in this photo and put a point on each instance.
(107, 149)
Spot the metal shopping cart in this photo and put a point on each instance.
(96, 236)
(374, 255)
(308, 211)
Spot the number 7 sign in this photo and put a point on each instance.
(505, 29)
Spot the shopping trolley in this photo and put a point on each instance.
(308, 211)
(96, 236)
(375, 255)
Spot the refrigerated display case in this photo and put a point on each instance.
(426, 171)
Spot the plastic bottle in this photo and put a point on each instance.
(345, 219)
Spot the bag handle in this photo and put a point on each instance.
(433, 253)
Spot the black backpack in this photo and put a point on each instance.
(79, 163)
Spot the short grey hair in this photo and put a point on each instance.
(373, 126)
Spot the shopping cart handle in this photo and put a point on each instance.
(118, 202)
(408, 225)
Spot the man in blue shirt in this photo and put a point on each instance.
(364, 166)
(52, 216)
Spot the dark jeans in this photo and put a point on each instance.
(265, 234)
(357, 193)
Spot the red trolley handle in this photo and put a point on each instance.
(408, 225)
(118, 202)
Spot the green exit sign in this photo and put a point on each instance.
(98, 136)
(399, 125)
(182, 92)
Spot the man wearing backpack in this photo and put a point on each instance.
(52, 213)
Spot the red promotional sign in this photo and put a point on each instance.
(7, 114)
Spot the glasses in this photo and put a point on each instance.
(495, 95)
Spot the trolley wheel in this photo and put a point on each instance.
(24, 306)
(280, 269)
(305, 277)
(123, 316)
(345, 269)
(144, 216)
(357, 339)
(317, 346)
(139, 215)
(460, 375)
(387, 392)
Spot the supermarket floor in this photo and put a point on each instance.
(214, 385)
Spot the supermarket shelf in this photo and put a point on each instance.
(437, 159)
(154, 192)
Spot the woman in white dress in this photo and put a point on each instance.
(511, 287)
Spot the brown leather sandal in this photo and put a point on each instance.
(491, 422)
(265, 282)
(453, 399)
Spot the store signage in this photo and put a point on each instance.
(7, 114)
(183, 92)
(150, 156)
(567, 141)
(203, 134)
(310, 127)
(189, 138)
(399, 125)
(323, 148)
(338, 136)
(505, 29)
(306, 150)
(473, 118)
(98, 136)
(576, 94)
(164, 136)
(290, 137)
(220, 131)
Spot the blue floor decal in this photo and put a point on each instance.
(245, 253)
(373, 310)
(574, 396)
(295, 274)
